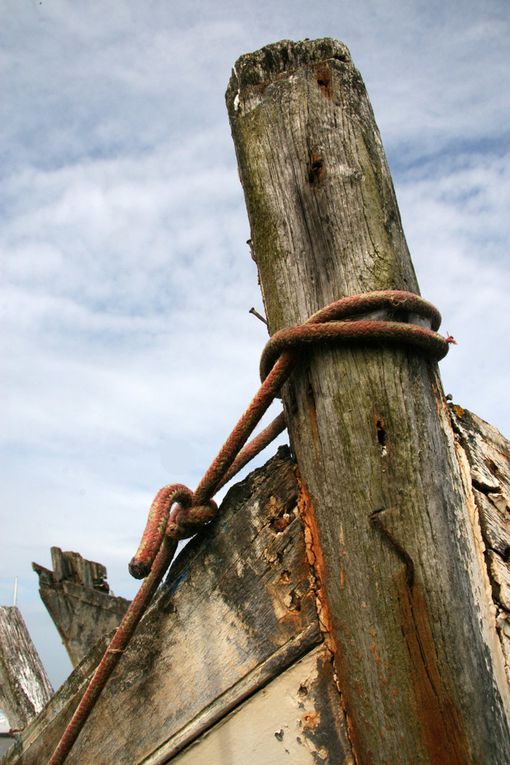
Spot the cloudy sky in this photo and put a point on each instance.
(128, 349)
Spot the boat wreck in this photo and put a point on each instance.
(349, 603)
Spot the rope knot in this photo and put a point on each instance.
(156, 526)
(184, 522)
(385, 317)
(172, 514)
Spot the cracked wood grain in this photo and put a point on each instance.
(421, 673)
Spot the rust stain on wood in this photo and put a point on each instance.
(440, 723)
(323, 75)
(316, 169)
(315, 559)
(442, 732)
(311, 721)
(319, 574)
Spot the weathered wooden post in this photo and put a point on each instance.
(397, 554)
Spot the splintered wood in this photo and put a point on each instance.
(488, 453)
(79, 601)
(24, 686)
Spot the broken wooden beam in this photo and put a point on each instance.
(24, 685)
(78, 598)
(405, 598)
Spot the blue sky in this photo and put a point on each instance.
(126, 281)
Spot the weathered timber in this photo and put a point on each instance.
(238, 608)
(295, 719)
(405, 595)
(488, 453)
(78, 598)
(24, 686)
(44, 731)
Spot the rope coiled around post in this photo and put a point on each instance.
(177, 512)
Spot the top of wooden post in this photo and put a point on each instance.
(262, 66)
(315, 177)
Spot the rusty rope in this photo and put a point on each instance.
(177, 512)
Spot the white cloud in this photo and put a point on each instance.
(458, 231)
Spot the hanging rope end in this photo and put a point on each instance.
(138, 569)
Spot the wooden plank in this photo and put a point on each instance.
(297, 719)
(250, 684)
(24, 686)
(405, 592)
(494, 511)
(238, 608)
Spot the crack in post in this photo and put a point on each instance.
(377, 522)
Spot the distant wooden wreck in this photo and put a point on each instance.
(79, 601)
(24, 686)
(351, 601)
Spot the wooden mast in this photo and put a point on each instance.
(398, 557)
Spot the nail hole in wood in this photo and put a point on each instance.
(315, 169)
(324, 79)
(381, 433)
(295, 601)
